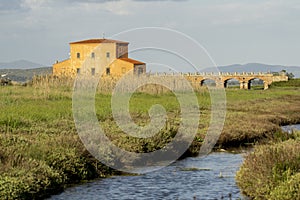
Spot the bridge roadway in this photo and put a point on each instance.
(221, 79)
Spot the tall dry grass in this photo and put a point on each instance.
(131, 83)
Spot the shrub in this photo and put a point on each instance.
(267, 167)
(68, 163)
(30, 181)
(34, 167)
(287, 190)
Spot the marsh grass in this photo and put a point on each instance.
(40, 150)
(272, 171)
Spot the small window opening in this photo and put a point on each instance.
(107, 71)
(123, 70)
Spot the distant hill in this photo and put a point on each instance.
(23, 70)
(256, 67)
(23, 75)
(20, 64)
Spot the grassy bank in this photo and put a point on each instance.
(272, 171)
(40, 151)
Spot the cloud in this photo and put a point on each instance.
(86, 1)
(7, 6)
(117, 7)
(245, 12)
(160, 0)
(218, 24)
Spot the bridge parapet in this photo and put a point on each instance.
(221, 78)
(210, 74)
(227, 73)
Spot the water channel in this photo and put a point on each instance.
(210, 177)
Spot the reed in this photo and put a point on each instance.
(106, 85)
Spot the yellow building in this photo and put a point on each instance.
(98, 57)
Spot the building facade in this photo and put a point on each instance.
(102, 57)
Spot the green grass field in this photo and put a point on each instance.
(40, 151)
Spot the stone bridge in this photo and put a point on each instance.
(221, 79)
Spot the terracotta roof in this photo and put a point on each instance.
(136, 62)
(98, 41)
(66, 60)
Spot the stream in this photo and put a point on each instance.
(210, 177)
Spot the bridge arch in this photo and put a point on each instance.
(257, 83)
(231, 82)
(208, 82)
(222, 80)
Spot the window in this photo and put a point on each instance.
(93, 71)
(140, 70)
(123, 70)
(78, 55)
(78, 70)
(107, 71)
(107, 54)
(93, 55)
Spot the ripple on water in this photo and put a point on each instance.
(212, 177)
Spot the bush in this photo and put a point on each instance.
(68, 163)
(34, 167)
(268, 167)
(31, 181)
(287, 190)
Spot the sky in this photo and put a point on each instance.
(232, 31)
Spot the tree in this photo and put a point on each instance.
(289, 75)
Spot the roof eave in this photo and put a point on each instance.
(96, 41)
